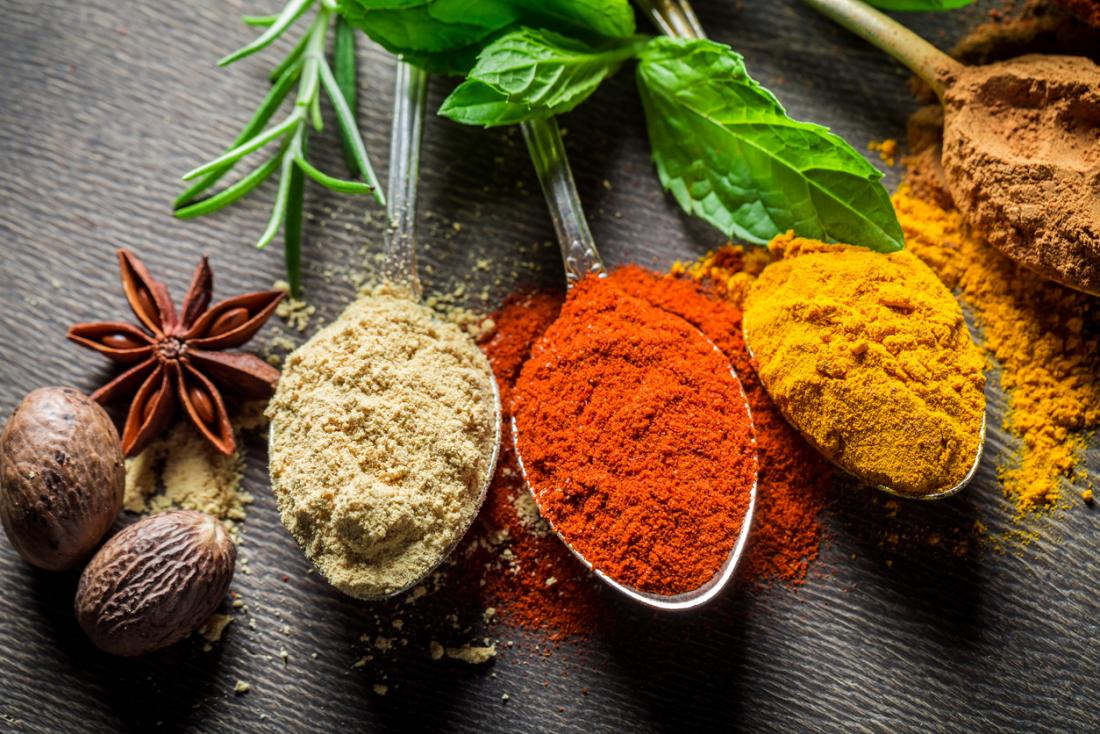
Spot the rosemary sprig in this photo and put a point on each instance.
(306, 68)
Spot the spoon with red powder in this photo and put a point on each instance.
(1021, 145)
(633, 431)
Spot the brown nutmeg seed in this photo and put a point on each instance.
(61, 477)
(155, 582)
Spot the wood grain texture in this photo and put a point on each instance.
(104, 104)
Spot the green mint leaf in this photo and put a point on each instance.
(728, 153)
(428, 26)
(444, 35)
(477, 103)
(929, 5)
(533, 74)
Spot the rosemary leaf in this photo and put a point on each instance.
(244, 149)
(228, 195)
(345, 72)
(339, 185)
(348, 130)
(259, 21)
(278, 211)
(290, 13)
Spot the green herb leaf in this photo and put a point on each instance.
(345, 72)
(476, 103)
(339, 185)
(428, 25)
(442, 35)
(286, 18)
(349, 131)
(230, 194)
(249, 146)
(538, 73)
(727, 151)
(929, 5)
(583, 18)
(282, 198)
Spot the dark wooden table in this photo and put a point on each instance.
(103, 105)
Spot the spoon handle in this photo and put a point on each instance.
(409, 101)
(878, 29)
(578, 249)
(674, 18)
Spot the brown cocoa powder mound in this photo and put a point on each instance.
(1022, 158)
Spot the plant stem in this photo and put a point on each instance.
(922, 58)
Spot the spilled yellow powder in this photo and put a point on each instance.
(1042, 334)
(887, 150)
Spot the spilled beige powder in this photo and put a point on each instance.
(191, 474)
(383, 429)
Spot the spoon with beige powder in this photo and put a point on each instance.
(386, 423)
(1021, 145)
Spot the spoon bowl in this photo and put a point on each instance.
(399, 267)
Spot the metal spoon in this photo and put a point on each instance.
(399, 264)
(580, 258)
(1025, 210)
(676, 18)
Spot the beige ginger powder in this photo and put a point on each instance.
(383, 432)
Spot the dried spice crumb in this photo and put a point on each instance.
(295, 312)
(241, 687)
(212, 629)
(193, 474)
(381, 689)
(887, 150)
(473, 654)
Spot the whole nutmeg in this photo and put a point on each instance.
(155, 582)
(61, 477)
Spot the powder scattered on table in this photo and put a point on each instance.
(1042, 335)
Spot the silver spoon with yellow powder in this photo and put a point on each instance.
(386, 423)
(869, 357)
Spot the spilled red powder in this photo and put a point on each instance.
(533, 581)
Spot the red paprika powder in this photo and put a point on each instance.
(794, 478)
(635, 439)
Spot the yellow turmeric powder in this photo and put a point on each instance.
(869, 356)
(1042, 334)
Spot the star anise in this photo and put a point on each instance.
(179, 359)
